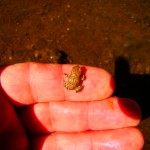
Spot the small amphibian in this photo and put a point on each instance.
(73, 80)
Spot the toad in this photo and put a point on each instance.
(73, 80)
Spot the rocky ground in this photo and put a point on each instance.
(114, 35)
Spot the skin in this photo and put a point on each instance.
(90, 119)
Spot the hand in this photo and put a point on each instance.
(36, 111)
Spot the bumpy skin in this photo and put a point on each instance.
(74, 79)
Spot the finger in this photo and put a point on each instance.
(28, 83)
(119, 139)
(81, 116)
(11, 130)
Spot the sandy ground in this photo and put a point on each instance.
(114, 35)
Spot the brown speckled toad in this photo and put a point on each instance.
(73, 80)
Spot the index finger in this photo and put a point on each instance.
(28, 83)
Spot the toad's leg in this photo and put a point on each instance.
(83, 77)
(78, 88)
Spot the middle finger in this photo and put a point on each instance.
(68, 116)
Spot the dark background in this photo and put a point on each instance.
(114, 35)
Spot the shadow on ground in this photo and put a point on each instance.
(132, 85)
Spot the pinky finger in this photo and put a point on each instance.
(124, 139)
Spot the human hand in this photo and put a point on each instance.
(36, 111)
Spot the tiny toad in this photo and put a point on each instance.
(73, 80)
